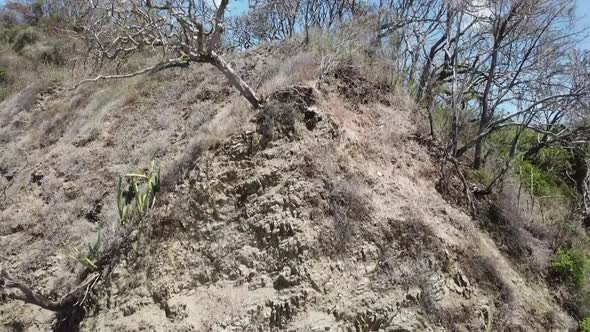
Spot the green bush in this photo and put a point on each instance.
(585, 324)
(25, 37)
(555, 160)
(570, 265)
(541, 182)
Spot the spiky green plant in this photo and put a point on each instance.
(75, 254)
(144, 186)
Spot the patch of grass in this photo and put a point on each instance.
(585, 324)
(571, 266)
(300, 68)
(8, 34)
(44, 52)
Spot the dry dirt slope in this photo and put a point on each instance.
(282, 221)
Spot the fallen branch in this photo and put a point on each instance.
(16, 290)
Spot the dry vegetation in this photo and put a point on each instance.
(321, 203)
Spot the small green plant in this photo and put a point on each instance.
(585, 324)
(75, 254)
(134, 203)
(571, 265)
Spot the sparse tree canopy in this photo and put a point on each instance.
(184, 31)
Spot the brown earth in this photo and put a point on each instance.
(320, 213)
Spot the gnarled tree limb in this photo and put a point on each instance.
(120, 27)
(149, 70)
(16, 290)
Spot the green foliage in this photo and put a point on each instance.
(134, 203)
(571, 266)
(442, 117)
(483, 175)
(4, 92)
(546, 173)
(501, 140)
(555, 160)
(440, 121)
(539, 181)
(46, 53)
(82, 258)
(585, 324)
(25, 37)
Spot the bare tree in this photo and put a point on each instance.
(519, 31)
(183, 31)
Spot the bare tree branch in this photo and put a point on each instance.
(121, 27)
(14, 289)
(149, 70)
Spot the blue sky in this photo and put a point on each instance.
(583, 14)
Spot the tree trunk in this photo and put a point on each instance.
(582, 178)
(235, 79)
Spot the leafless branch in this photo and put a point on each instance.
(14, 289)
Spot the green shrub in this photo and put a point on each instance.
(25, 37)
(539, 181)
(585, 324)
(570, 265)
(555, 160)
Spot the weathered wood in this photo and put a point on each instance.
(16, 290)
(235, 79)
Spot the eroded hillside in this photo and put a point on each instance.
(316, 213)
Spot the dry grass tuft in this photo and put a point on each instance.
(234, 117)
(513, 231)
(297, 69)
(349, 209)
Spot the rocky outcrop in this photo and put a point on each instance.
(251, 241)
